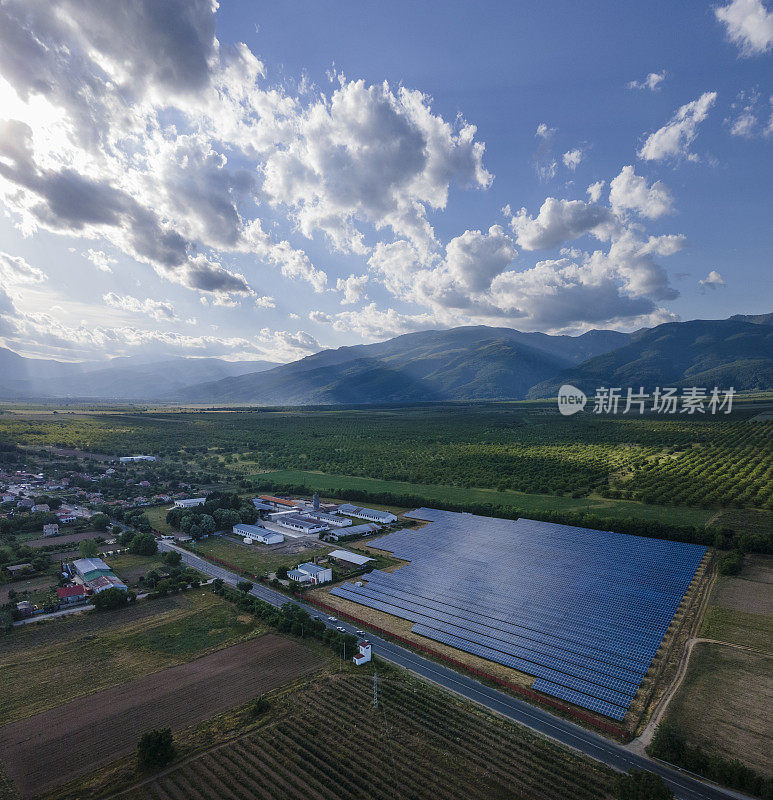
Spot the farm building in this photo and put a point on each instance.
(371, 514)
(310, 573)
(364, 653)
(191, 502)
(96, 575)
(257, 534)
(50, 530)
(350, 558)
(71, 594)
(361, 530)
(302, 524)
(127, 459)
(278, 502)
(261, 505)
(331, 520)
(14, 569)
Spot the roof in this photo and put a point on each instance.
(311, 569)
(368, 527)
(242, 527)
(70, 591)
(296, 575)
(106, 582)
(353, 558)
(279, 501)
(90, 564)
(348, 508)
(299, 521)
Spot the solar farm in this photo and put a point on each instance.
(582, 611)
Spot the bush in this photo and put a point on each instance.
(260, 706)
(6, 621)
(641, 785)
(155, 749)
(88, 548)
(110, 599)
(143, 544)
(172, 558)
(731, 564)
(244, 586)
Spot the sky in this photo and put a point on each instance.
(264, 180)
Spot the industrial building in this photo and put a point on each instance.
(371, 514)
(310, 573)
(257, 534)
(331, 520)
(127, 459)
(96, 575)
(279, 502)
(349, 558)
(191, 502)
(302, 524)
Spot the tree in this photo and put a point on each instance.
(88, 548)
(6, 621)
(244, 586)
(641, 785)
(172, 558)
(144, 544)
(281, 572)
(100, 522)
(126, 537)
(109, 599)
(155, 749)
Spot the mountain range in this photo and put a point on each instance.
(467, 363)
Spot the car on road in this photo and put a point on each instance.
(341, 628)
(332, 619)
(360, 633)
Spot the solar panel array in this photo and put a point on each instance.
(583, 611)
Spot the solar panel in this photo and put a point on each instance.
(583, 611)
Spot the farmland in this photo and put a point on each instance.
(704, 463)
(256, 558)
(82, 735)
(74, 658)
(329, 742)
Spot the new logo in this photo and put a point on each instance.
(570, 400)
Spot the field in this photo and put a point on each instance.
(43, 751)
(68, 538)
(724, 701)
(157, 517)
(68, 659)
(330, 743)
(705, 462)
(338, 485)
(130, 567)
(257, 558)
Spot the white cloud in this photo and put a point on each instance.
(651, 82)
(572, 158)
(14, 270)
(373, 324)
(712, 281)
(475, 258)
(353, 288)
(100, 260)
(156, 309)
(265, 302)
(676, 137)
(560, 221)
(594, 191)
(749, 25)
(630, 192)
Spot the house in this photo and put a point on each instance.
(25, 502)
(299, 523)
(364, 653)
(25, 609)
(66, 516)
(190, 502)
(310, 573)
(103, 582)
(350, 558)
(96, 575)
(9, 498)
(255, 533)
(371, 514)
(278, 502)
(52, 529)
(331, 520)
(127, 459)
(71, 594)
(40, 507)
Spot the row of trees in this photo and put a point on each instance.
(221, 511)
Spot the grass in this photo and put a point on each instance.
(130, 567)
(40, 672)
(157, 517)
(721, 704)
(525, 503)
(253, 558)
(739, 627)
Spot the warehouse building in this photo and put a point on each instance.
(255, 533)
(302, 524)
(350, 558)
(279, 502)
(371, 514)
(96, 575)
(331, 520)
(310, 573)
(191, 502)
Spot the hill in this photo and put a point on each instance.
(732, 352)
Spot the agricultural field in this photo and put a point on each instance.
(330, 743)
(129, 567)
(723, 704)
(73, 658)
(68, 538)
(525, 447)
(43, 751)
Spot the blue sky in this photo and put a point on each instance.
(261, 181)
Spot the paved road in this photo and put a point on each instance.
(591, 744)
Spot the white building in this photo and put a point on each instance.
(331, 520)
(127, 459)
(371, 514)
(349, 557)
(190, 502)
(295, 522)
(66, 516)
(50, 530)
(311, 573)
(364, 654)
(255, 533)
